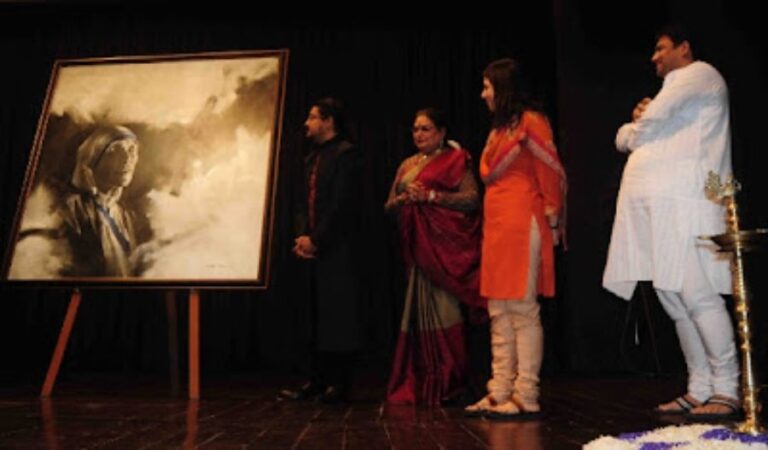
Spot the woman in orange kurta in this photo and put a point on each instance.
(525, 185)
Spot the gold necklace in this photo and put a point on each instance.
(430, 154)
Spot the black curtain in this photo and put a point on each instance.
(383, 72)
(603, 70)
(589, 71)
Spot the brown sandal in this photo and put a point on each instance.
(734, 410)
(685, 406)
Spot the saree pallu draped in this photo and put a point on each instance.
(441, 248)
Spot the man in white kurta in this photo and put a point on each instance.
(674, 140)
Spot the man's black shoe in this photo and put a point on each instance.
(334, 394)
(308, 391)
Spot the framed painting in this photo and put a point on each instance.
(153, 170)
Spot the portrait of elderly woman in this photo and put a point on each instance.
(90, 232)
(152, 169)
(98, 227)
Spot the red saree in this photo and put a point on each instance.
(441, 248)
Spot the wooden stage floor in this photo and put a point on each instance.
(242, 412)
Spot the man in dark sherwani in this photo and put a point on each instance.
(328, 220)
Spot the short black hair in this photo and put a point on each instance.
(333, 107)
(676, 33)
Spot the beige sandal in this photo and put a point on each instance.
(516, 410)
(481, 407)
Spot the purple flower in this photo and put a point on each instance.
(724, 434)
(632, 436)
(661, 445)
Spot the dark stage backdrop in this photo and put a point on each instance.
(589, 71)
(603, 69)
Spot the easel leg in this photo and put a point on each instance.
(194, 344)
(49, 424)
(173, 340)
(61, 345)
(193, 407)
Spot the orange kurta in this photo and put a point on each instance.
(524, 179)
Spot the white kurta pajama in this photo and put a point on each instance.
(662, 210)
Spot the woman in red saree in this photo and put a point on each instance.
(436, 197)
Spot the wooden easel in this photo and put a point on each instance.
(194, 343)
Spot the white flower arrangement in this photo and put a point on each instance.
(686, 437)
